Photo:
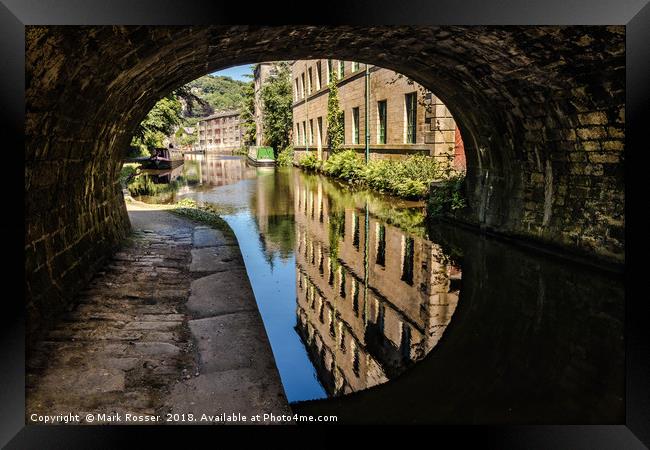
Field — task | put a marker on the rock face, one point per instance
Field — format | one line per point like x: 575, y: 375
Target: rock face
x: 541, y: 110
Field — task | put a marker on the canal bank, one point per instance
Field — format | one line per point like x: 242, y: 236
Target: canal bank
x: 170, y: 326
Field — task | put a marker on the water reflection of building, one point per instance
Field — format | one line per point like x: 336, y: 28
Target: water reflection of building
x: 364, y: 325
x: 221, y: 170
x: 272, y: 202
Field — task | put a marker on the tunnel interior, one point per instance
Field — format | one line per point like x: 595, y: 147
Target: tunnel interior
x: 541, y: 111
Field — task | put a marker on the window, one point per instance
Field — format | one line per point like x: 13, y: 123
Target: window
x: 381, y: 244
x: 330, y: 71
x: 355, y: 66
x: 304, y: 133
x: 343, y: 126
x: 320, y: 134
x: 341, y: 69
x: 411, y: 117
x: 309, y: 81
x: 302, y: 80
x: 381, y: 113
x: 318, y: 75
x: 297, y: 134
x: 311, y: 131
x: 355, y: 125
x: 407, y: 262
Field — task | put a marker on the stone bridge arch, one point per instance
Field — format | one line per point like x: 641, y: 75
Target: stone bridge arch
x: 541, y: 110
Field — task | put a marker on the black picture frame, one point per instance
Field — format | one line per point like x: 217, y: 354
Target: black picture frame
x: 634, y: 14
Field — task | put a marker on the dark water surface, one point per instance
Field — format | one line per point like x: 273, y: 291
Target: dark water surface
x: 355, y: 291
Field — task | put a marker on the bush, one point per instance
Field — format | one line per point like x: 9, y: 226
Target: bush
x: 345, y: 165
x: 310, y: 162
x: 144, y: 185
x: 127, y: 172
x: 446, y: 197
x: 285, y: 157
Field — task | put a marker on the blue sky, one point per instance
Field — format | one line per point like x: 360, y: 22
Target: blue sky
x: 236, y: 73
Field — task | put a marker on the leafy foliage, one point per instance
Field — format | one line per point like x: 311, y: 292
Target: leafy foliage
x: 446, y: 197
x: 408, y: 178
x: 277, y: 99
x: 219, y: 92
x: 157, y: 125
x: 285, y: 157
x: 310, y: 162
x: 334, y: 117
x: 345, y: 165
x: 247, y: 114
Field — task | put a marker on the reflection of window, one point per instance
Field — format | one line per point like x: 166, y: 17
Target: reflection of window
x: 381, y: 244
x: 320, y: 310
x: 355, y: 225
x: 381, y: 315
x: 405, y: 345
x: 330, y: 281
x: 341, y: 337
x: 355, y: 297
x: 321, y: 269
x: 355, y: 360
x: 331, y: 317
x: 342, y: 287
x: 407, y: 263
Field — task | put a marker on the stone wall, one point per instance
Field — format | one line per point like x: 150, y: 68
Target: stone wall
x: 541, y: 110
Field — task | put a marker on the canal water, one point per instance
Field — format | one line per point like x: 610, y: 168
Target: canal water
x: 355, y: 291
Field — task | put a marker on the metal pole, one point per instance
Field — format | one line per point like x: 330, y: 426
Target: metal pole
x: 367, y: 94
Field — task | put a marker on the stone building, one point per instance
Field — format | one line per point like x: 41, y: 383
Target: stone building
x: 220, y: 132
x: 404, y: 118
x: 362, y: 326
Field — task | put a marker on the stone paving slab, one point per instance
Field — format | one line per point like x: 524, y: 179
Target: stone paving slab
x: 208, y: 237
x: 213, y: 259
x: 245, y: 391
x: 221, y: 293
x: 215, y: 337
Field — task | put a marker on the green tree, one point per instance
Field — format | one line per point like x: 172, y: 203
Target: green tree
x: 219, y: 92
x: 334, y: 117
x: 158, y: 124
x: 247, y: 114
x: 277, y: 100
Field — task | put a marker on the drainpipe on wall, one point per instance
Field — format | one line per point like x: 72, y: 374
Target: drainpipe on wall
x: 367, y: 95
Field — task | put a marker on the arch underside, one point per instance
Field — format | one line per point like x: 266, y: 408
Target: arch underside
x: 541, y: 110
